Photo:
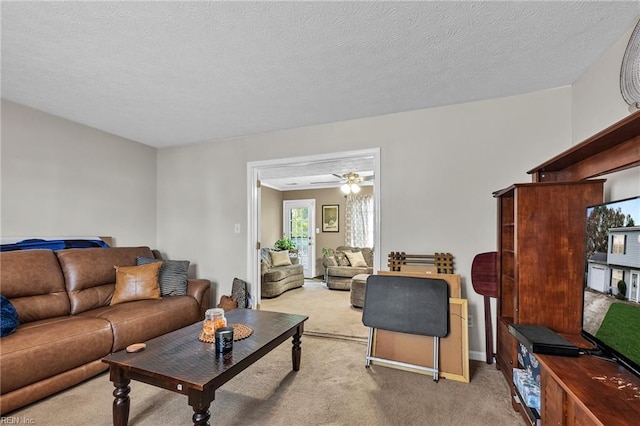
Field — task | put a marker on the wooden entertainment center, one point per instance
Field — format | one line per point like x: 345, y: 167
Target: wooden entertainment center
x: 541, y: 272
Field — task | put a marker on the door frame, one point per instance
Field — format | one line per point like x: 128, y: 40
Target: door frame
x: 253, y: 207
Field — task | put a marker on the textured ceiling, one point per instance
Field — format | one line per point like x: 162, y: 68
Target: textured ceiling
x: 172, y: 73
x: 318, y: 174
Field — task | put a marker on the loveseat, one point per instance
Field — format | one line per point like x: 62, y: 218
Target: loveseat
x: 67, y: 323
x: 339, y: 270
x: 278, y: 275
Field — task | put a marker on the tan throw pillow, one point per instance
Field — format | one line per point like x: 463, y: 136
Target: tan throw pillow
x: 136, y: 283
x: 280, y: 258
x: 355, y: 258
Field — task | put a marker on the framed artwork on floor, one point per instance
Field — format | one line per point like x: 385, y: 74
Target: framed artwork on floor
x: 330, y: 218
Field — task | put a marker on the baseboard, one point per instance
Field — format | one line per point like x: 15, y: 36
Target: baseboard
x: 477, y: 356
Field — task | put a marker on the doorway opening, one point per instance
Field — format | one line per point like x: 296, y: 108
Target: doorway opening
x: 306, y: 169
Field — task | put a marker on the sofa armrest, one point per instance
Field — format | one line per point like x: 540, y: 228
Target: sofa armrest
x: 264, y: 268
x: 200, y: 289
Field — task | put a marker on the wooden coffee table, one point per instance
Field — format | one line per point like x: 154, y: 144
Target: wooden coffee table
x: 179, y: 362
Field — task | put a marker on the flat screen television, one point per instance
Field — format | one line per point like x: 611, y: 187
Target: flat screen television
x: 611, y: 296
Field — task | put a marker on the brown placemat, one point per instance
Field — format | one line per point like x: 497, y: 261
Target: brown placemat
x: 240, y: 331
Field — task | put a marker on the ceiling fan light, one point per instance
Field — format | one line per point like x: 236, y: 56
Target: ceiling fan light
x: 345, y: 188
x: 355, y: 188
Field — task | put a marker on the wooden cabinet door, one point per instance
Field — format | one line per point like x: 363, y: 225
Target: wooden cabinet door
x: 553, y: 401
x: 550, y: 227
x: 577, y: 416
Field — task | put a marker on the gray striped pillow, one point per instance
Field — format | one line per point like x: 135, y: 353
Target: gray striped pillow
x: 172, y: 277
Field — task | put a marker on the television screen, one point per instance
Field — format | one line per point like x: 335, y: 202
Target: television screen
x: 611, y: 301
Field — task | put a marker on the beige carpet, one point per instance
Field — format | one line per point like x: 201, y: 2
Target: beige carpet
x: 333, y: 387
x: 330, y: 311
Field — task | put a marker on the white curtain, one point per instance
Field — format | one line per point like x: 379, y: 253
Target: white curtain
x: 359, y: 217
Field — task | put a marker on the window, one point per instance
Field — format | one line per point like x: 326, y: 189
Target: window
x: 618, y: 244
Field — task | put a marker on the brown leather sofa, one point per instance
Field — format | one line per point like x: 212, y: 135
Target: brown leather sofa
x: 67, y: 324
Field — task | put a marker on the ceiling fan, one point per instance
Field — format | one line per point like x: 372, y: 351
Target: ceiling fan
x: 352, y: 181
x: 347, y: 180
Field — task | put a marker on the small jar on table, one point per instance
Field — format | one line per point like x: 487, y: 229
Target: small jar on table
x: 213, y: 320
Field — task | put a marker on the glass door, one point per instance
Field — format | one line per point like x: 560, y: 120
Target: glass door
x: 298, y: 224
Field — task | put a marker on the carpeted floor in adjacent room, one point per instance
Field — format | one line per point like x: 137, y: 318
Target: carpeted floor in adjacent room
x: 330, y: 311
x: 333, y: 387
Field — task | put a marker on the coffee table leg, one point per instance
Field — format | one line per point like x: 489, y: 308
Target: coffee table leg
x: 296, y: 351
x: 121, y: 394
x: 200, y: 402
x: 201, y: 417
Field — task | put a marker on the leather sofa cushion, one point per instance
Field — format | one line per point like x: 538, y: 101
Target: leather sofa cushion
x: 90, y: 275
x: 34, y: 283
x: 42, y: 349
x: 139, y: 321
x: 200, y: 290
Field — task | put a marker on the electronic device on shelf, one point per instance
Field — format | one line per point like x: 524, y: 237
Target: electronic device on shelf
x: 543, y: 340
x: 612, y: 254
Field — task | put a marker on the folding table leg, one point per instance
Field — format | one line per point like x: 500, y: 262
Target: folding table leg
x: 369, y: 345
x: 436, y: 364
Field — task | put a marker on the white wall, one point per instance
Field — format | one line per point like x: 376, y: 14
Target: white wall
x: 596, y: 104
x: 270, y: 216
x: 439, y: 168
x: 595, y: 98
x: 60, y: 178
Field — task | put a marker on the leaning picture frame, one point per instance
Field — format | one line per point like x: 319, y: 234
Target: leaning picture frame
x: 330, y: 218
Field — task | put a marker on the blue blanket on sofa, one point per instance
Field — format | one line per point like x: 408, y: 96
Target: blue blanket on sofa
x: 52, y: 244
